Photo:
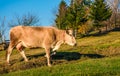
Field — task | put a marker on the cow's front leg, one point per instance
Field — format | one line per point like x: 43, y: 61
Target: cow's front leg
x: 48, y: 56
x: 53, y: 52
x: 56, y: 47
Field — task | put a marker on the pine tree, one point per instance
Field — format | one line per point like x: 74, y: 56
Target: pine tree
x: 60, y: 17
x: 72, y: 16
x: 75, y: 15
x: 99, y: 12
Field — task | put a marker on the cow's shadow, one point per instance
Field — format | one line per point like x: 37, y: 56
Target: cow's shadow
x: 69, y: 56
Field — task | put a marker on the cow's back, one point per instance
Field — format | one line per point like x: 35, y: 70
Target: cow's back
x: 33, y: 36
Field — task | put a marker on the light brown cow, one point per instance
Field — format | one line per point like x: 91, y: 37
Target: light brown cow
x: 49, y: 38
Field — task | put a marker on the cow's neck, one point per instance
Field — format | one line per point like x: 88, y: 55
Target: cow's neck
x: 61, y: 35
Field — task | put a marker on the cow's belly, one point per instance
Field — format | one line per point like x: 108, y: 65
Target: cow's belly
x: 31, y: 44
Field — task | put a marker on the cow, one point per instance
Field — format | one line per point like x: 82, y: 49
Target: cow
x: 49, y: 38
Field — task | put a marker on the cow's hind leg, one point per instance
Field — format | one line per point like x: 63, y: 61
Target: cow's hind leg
x: 19, y: 47
x: 8, y: 53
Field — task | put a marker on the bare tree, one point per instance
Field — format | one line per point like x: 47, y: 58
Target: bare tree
x: 25, y: 20
x: 2, y: 30
x: 114, y: 4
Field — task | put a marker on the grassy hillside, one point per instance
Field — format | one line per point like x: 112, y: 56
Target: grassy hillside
x: 94, y: 56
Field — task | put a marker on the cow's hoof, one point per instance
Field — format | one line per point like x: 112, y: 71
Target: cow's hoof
x: 53, y: 53
x: 45, y: 55
x: 49, y: 65
x: 8, y: 64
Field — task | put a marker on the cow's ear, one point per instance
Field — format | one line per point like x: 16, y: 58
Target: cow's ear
x: 70, y: 32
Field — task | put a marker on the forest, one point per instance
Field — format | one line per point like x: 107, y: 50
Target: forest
x: 85, y: 16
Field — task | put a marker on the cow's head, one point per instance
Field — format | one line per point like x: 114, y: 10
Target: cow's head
x: 69, y: 38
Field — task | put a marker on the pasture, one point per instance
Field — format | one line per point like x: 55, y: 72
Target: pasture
x: 93, y: 56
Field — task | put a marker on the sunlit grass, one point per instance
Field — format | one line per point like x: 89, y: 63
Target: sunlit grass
x: 93, y: 56
x: 97, y: 67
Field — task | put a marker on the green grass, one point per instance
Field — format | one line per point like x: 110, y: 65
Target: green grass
x: 98, y: 67
x: 94, y: 56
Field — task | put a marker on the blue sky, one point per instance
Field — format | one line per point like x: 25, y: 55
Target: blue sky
x: 42, y: 8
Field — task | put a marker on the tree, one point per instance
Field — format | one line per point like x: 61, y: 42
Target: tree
x: 114, y: 5
x: 72, y: 16
x: 60, y: 17
x: 2, y: 30
x: 100, y: 12
x: 75, y: 15
x: 25, y: 20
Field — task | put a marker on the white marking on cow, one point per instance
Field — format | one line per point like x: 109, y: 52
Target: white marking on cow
x: 57, y: 46
x: 23, y: 55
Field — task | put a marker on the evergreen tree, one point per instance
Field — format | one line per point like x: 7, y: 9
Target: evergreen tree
x: 72, y: 16
x: 75, y: 15
x: 99, y: 12
x: 60, y: 17
x: 87, y: 2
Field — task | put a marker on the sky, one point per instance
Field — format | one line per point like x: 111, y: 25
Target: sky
x: 44, y: 9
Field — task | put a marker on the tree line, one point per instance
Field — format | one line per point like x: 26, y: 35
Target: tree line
x: 84, y: 16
